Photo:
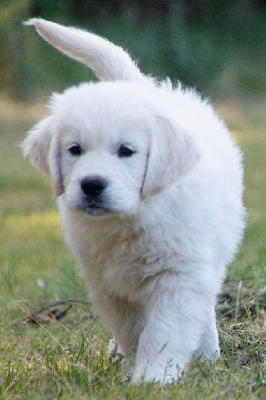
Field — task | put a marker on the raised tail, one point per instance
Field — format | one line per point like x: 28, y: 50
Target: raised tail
x: 109, y: 62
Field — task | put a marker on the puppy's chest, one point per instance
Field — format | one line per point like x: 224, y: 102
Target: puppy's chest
x: 127, y: 267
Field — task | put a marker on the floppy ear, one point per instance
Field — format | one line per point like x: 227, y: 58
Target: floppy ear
x: 41, y: 147
x: 108, y: 62
x: 173, y: 153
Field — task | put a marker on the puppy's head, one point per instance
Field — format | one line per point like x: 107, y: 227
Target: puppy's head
x: 109, y: 146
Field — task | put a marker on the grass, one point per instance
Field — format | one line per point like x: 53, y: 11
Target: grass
x: 67, y: 358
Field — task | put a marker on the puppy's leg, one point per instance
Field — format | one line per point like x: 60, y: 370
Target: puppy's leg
x: 126, y: 321
x: 173, y: 332
x: 209, y: 342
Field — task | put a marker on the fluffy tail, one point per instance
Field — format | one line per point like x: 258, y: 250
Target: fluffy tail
x: 109, y: 62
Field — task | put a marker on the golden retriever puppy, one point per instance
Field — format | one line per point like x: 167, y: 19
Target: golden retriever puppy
x: 149, y: 186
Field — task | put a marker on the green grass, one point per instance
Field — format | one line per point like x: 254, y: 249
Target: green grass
x: 68, y: 358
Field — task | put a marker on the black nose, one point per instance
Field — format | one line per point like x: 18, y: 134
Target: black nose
x: 93, y: 186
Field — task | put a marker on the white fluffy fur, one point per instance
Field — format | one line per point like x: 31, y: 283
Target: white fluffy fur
x: 155, y: 256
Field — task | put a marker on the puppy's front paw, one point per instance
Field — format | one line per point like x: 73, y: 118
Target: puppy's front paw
x: 112, y: 349
x: 114, y: 352
x: 169, y: 374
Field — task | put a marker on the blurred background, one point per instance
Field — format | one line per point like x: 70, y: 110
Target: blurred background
x: 216, y: 46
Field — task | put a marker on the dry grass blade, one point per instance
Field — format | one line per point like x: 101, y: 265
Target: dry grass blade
x: 54, y: 313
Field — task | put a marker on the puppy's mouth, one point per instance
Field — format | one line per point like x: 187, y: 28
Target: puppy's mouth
x: 96, y: 210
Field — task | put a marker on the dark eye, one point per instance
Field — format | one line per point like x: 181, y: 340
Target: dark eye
x: 125, y: 151
x: 75, y: 149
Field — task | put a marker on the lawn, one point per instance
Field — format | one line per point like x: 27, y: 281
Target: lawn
x: 66, y: 356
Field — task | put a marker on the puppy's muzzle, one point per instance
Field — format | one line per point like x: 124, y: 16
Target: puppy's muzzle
x: 93, y: 188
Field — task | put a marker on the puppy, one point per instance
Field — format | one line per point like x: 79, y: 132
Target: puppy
x: 149, y: 187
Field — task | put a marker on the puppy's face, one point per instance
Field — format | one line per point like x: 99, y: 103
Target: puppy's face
x: 106, y: 148
x: 103, y: 149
